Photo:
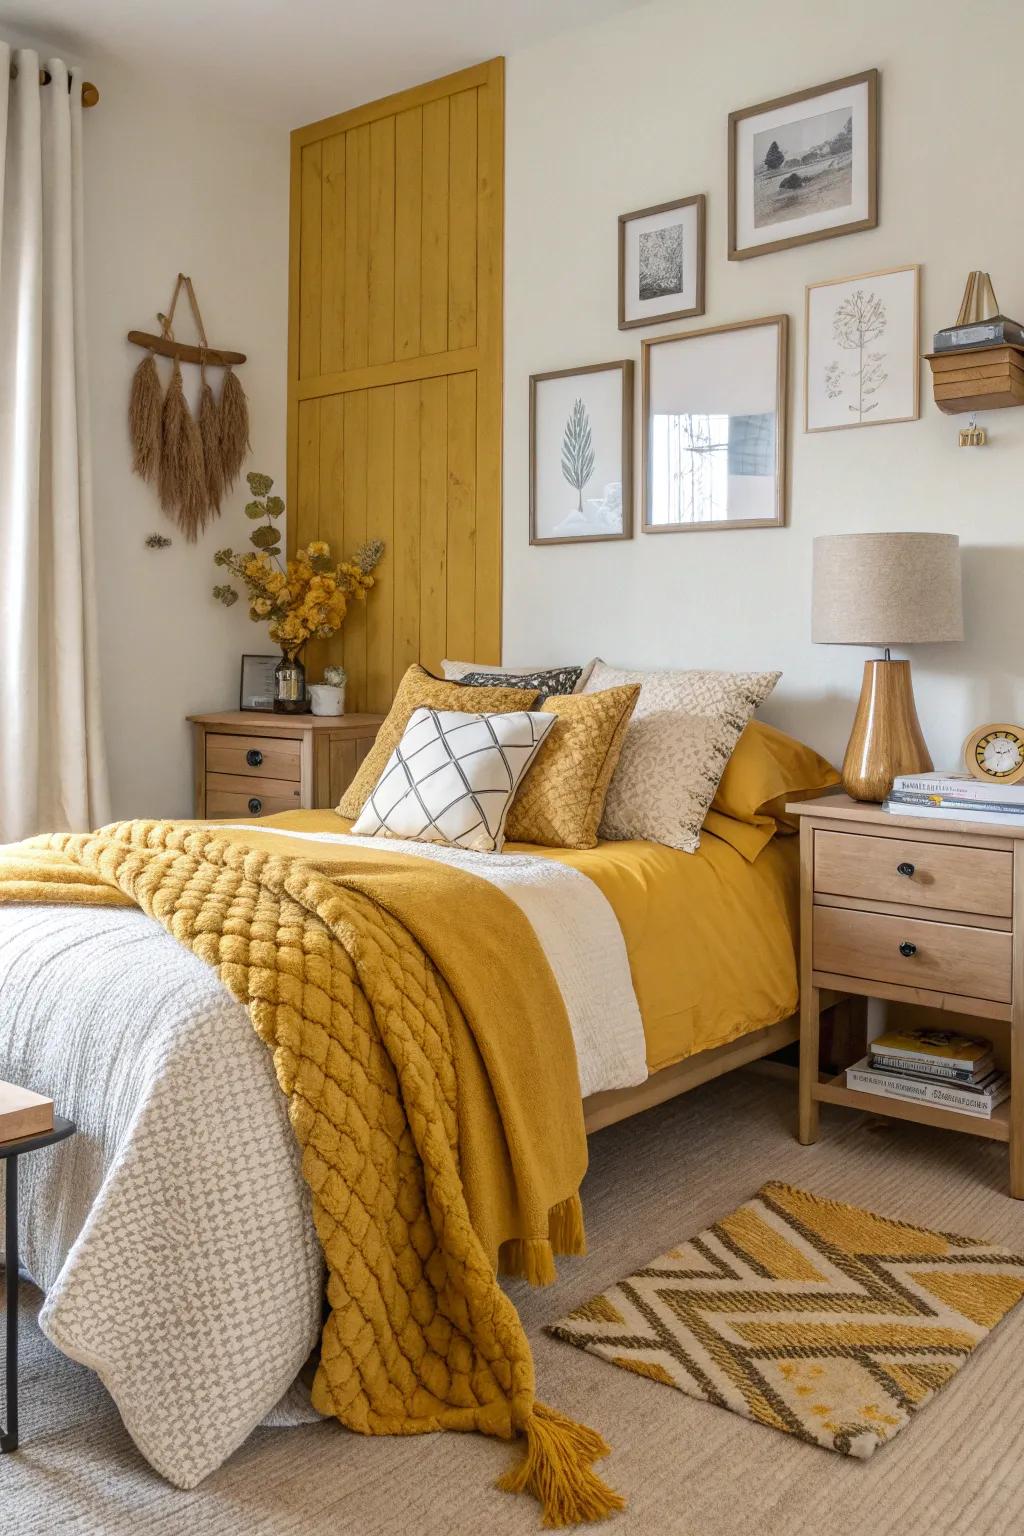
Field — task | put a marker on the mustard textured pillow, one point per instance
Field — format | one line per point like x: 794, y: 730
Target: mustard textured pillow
x: 419, y: 690
x: 561, y: 799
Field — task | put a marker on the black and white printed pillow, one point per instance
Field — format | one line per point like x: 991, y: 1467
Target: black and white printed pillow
x: 452, y: 778
x: 547, y: 680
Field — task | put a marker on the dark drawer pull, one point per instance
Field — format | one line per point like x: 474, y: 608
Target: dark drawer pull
x: 906, y: 948
x: 905, y: 869
x: 254, y: 758
x: 256, y: 805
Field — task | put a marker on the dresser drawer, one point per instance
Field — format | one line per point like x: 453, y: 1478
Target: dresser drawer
x: 242, y: 797
x: 271, y: 757
x: 942, y: 957
x: 914, y: 874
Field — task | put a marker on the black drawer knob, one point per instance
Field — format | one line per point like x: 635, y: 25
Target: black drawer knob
x: 255, y: 805
x: 254, y: 757
x: 906, y: 948
x: 905, y: 869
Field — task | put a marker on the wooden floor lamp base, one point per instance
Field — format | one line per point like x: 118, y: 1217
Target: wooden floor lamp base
x: 886, y: 739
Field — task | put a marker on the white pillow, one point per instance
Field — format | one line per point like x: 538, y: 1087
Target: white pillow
x: 452, y: 777
x: 679, y: 739
x: 455, y: 671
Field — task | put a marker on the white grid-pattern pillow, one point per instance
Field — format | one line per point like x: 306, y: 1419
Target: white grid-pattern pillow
x: 452, y: 777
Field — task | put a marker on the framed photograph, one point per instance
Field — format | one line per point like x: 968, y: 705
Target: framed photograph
x: 661, y: 263
x: 804, y: 167
x: 862, y: 343
x: 714, y: 448
x: 581, y: 454
x: 256, y: 690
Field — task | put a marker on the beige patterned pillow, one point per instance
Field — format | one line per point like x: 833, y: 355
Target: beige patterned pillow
x: 684, y: 728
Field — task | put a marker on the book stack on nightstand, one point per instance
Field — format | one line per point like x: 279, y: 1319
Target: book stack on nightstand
x: 932, y: 1066
x: 934, y: 796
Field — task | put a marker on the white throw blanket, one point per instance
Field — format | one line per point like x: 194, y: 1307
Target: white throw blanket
x: 173, y: 1234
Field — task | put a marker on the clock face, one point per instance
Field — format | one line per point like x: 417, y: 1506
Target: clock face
x: 996, y: 752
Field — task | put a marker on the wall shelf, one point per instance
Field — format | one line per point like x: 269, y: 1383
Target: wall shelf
x: 977, y: 378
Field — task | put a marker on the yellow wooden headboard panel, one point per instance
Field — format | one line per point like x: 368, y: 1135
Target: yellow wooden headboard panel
x: 394, y: 369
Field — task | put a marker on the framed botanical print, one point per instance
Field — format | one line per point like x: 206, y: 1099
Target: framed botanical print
x: 581, y: 454
x: 862, y: 344
x: 661, y: 263
x: 714, y: 450
x: 804, y: 167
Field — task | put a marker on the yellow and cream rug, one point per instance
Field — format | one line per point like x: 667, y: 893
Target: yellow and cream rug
x: 816, y: 1318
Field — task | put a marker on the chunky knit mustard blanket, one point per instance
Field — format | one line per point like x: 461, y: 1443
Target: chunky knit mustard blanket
x: 423, y: 1046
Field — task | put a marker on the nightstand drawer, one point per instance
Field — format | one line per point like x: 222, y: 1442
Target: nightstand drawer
x: 233, y: 795
x: 945, y: 876
x: 271, y: 757
x: 942, y: 957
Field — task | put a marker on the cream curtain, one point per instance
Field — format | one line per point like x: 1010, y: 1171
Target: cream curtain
x: 52, y: 768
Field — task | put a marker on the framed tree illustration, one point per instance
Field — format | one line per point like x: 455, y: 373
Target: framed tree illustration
x: 581, y: 450
x: 862, y: 343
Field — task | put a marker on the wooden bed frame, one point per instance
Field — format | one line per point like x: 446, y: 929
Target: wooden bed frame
x: 602, y: 1109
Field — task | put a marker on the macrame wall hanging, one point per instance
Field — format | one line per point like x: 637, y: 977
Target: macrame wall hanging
x: 191, y: 461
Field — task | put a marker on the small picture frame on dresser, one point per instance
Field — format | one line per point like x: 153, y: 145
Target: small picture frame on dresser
x: 256, y: 687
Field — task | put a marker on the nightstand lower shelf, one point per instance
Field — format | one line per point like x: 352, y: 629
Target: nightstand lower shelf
x: 835, y: 1091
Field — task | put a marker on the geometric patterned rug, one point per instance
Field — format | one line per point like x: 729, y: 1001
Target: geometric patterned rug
x: 813, y: 1317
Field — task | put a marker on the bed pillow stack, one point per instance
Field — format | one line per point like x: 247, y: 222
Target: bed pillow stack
x: 683, y: 731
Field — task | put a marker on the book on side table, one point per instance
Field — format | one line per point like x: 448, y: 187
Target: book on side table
x: 932, y: 1066
x: 956, y: 795
x: 23, y: 1113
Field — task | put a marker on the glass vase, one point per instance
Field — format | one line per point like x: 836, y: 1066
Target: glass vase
x: 290, y: 686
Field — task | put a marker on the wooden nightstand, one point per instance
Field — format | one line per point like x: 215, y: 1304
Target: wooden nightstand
x: 914, y: 911
x: 255, y: 764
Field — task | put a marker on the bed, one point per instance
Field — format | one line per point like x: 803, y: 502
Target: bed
x: 173, y: 1236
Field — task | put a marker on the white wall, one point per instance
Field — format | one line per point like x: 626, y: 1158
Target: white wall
x: 633, y: 112
x: 173, y: 185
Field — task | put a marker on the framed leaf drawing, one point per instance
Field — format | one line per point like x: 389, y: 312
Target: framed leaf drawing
x: 862, y: 350
x: 715, y: 427
x: 581, y: 452
x: 661, y: 263
x: 804, y: 167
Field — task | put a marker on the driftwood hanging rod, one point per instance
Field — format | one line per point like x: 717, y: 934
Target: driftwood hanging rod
x: 184, y: 352
x: 90, y: 92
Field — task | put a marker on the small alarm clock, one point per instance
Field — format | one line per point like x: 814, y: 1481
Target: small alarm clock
x: 995, y: 754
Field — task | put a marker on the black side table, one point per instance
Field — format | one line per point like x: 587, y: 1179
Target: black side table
x: 10, y: 1151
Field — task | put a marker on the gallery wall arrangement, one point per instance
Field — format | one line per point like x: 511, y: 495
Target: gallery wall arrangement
x: 714, y: 409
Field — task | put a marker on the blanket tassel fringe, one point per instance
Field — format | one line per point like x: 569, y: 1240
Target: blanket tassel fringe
x: 557, y: 1469
x: 532, y: 1259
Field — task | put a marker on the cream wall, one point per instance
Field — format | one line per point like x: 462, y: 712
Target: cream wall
x: 632, y: 112
x: 173, y: 185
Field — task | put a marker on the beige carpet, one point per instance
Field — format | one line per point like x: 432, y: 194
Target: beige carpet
x: 686, y: 1467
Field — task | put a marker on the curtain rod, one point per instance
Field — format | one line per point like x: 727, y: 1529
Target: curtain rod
x: 90, y: 93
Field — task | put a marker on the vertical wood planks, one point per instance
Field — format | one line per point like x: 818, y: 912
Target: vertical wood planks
x: 463, y: 191
x: 433, y: 522
x: 309, y: 262
x: 380, y: 522
x: 357, y: 246
x: 406, y: 548
x: 408, y: 230
x: 381, y: 345
x: 461, y: 533
x: 354, y: 628
x: 332, y: 255
x: 489, y: 244
x: 434, y: 257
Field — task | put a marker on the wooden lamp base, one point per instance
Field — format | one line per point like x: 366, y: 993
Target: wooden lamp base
x: 886, y: 739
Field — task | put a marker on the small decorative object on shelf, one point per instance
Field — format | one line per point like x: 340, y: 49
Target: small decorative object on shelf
x: 327, y: 700
x: 979, y: 323
x: 305, y: 599
x: 973, y: 436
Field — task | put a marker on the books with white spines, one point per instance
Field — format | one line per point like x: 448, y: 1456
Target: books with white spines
x: 1004, y: 818
x: 947, y: 1072
x: 954, y: 806
x: 864, y: 1078
x: 958, y: 786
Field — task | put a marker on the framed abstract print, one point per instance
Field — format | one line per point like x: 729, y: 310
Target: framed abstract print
x: 581, y: 454
x: 804, y: 167
x: 714, y: 449
x: 661, y: 263
x: 862, y: 346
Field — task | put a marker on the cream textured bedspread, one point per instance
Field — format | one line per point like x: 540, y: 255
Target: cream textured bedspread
x: 174, y: 1234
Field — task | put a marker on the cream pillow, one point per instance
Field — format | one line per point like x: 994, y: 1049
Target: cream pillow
x: 676, y: 747
x: 452, y: 777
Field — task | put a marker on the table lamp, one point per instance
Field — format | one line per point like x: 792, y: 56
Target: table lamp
x: 885, y: 589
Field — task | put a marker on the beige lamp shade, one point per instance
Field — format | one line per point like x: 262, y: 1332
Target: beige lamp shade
x: 886, y: 589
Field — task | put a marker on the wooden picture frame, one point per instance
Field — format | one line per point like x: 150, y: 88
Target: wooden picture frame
x: 540, y: 513
x: 866, y: 178
x: 780, y: 323
x: 654, y: 317
x: 910, y: 362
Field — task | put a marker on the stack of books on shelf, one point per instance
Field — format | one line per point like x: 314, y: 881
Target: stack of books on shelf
x: 957, y: 796
x: 932, y: 1066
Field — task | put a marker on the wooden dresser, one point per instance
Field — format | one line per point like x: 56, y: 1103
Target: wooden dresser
x: 920, y: 911
x: 255, y: 764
